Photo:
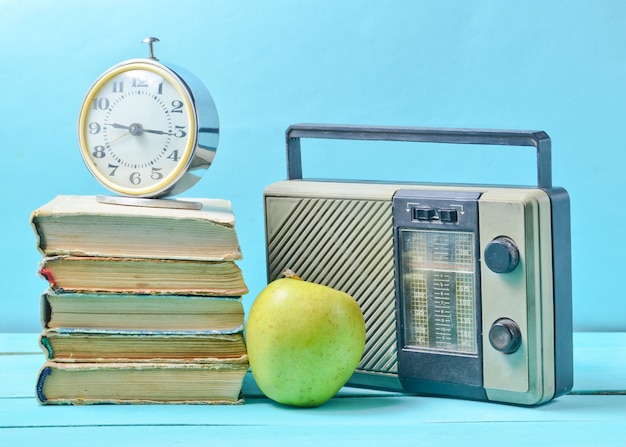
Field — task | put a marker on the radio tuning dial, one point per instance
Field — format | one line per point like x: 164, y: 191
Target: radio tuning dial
x: 505, y: 336
x: 502, y: 255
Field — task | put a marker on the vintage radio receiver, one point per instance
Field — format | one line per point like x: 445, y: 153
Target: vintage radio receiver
x: 466, y: 290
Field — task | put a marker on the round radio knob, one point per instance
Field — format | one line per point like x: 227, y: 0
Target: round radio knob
x: 501, y: 255
x: 505, y: 336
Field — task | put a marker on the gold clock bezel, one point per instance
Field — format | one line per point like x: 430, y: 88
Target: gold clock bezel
x: 164, y: 185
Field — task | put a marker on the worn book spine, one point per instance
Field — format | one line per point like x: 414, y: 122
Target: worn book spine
x: 138, y: 383
x: 146, y: 312
x: 113, y: 346
x: 142, y: 276
x: 82, y: 226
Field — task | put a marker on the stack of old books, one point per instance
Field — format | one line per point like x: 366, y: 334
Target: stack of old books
x: 143, y: 304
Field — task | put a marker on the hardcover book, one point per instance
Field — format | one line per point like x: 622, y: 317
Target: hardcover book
x: 143, y: 276
x: 140, y: 312
x: 219, y: 382
x: 81, y: 345
x: 80, y: 225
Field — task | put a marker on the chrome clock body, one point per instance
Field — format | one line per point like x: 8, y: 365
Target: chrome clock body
x: 148, y: 130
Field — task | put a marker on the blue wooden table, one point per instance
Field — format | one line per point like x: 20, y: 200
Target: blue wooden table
x: 594, y: 414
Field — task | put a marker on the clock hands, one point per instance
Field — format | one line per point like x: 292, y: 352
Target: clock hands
x: 119, y: 138
x: 137, y: 129
x: 158, y: 132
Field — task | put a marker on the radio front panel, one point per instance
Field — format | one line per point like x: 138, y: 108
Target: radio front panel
x: 438, y: 292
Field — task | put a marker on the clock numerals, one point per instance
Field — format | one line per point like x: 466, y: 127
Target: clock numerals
x: 94, y: 128
x: 136, y: 82
x: 135, y: 178
x: 112, y: 169
x: 174, y: 155
x: 140, y: 83
x: 98, y: 152
x: 101, y: 103
x: 156, y: 174
x: 180, y: 132
x: 177, y: 106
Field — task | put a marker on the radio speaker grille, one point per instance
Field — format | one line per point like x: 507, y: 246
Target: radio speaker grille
x: 346, y: 245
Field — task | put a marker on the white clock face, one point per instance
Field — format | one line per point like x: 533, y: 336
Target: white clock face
x: 137, y: 129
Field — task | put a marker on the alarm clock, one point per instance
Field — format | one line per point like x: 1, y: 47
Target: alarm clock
x: 147, y: 130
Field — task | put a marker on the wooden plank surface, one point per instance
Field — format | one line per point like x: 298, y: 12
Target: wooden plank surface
x: 574, y: 420
x: 594, y: 414
x: 600, y: 363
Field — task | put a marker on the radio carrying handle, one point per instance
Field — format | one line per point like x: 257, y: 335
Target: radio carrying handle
x: 539, y: 139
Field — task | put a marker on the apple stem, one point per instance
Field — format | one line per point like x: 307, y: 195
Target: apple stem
x: 291, y: 274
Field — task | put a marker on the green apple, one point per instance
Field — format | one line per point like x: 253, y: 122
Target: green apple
x: 304, y: 341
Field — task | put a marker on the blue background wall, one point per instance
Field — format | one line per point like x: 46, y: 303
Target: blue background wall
x: 558, y: 66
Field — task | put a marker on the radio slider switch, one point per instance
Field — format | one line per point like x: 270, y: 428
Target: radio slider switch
x: 424, y: 214
x: 430, y: 214
x: 450, y: 216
